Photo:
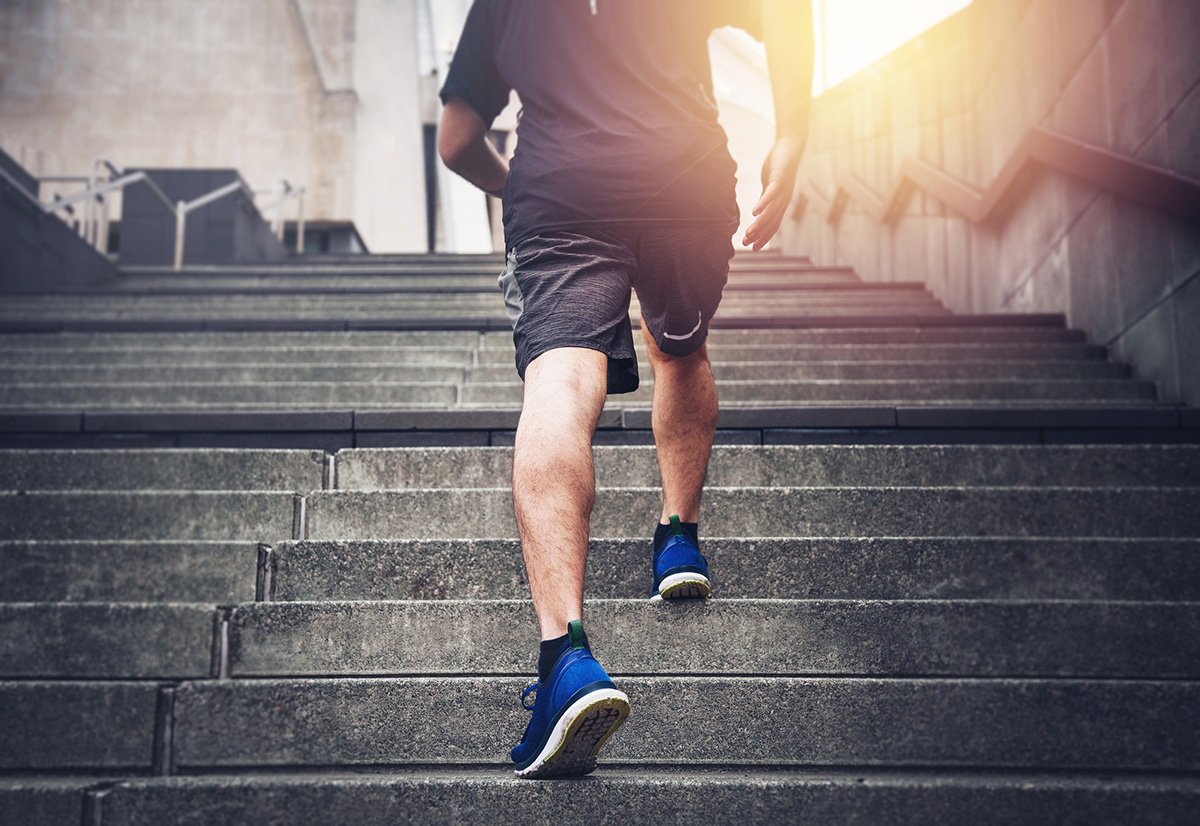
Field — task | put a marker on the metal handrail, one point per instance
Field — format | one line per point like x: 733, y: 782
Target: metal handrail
x: 1151, y: 186
x: 95, y: 232
x: 277, y: 226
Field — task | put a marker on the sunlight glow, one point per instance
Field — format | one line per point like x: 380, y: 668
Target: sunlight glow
x: 859, y: 32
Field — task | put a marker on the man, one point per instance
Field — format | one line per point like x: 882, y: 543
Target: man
x: 621, y: 180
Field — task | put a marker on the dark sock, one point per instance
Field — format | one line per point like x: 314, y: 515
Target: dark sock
x: 663, y: 531
x: 548, y: 656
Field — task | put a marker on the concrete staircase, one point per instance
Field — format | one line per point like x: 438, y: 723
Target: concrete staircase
x: 955, y: 581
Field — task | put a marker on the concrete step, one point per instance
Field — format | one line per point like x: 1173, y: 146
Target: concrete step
x: 722, y: 637
x: 1012, y: 568
x: 174, y: 469
x: 711, y: 721
x: 794, y: 466
x: 296, y: 395
x: 909, y: 353
x: 777, y: 512
x: 974, y: 638
x: 260, y: 373
x: 760, y: 371
x: 163, y: 341
x: 48, y: 800
x: 297, y: 371
x: 351, y: 280
x: 123, y: 570
x: 464, y: 300
x: 501, y: 341
x: 1076, y: 724
x: 147, y: 515
x: 107, y: 640
x: 888, y: 336
x: 615, y: 795
x: 203, y: 356
x: 788, y: 392
x: 310, y: 395
x: 78, y: 725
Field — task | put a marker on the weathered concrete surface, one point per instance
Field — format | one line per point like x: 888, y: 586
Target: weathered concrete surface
x: 796, y: 512
x: 77, y: 725
x: 198, y: 353
x: 1079, y: 724
x: 307, y: 395
x: 767, y: 637
x: 293, y: 373
x: 150, y: 515
x: 177, y: 469
x: 44, y: 801
x: 127, y: 571
x: 883, y: 369
x: 792, y: 353
x: 782, y: 392
x: 766, y: 466
x: 107, y: 640
x: 850, y: 568
x: 612, y: 797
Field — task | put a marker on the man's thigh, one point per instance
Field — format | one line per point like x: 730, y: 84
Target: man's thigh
x: 572, y: 289
x: 681, y: 273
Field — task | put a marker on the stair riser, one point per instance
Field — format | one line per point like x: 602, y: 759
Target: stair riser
x: 796, y: 466
x: 909, y: 353
x: 119, y: 641
x: 128, y: 571
x: 233, y: 374
x: 341, y: 396
x: 812, y: 512
x: 755, y: 721
x: 783, y: 393
x: 253, y: 517
x: 157, y: 342
x: 395, y: 373
x: 882, y: 639
x: 885, y: 639
x: 1019, y: 569
x: 296, y: 395
x: 175, y: 469
x: 77, y: 725
x: 641, y: 797
x: 199, y: 355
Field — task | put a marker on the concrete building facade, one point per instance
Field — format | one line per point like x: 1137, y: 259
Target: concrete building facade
x: 338, y: 96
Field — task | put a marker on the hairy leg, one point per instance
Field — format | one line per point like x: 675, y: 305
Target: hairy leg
x: 554, y: 482
x: 684, y: 421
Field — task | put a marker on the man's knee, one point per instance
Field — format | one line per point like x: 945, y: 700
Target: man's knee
x: 660, y: 359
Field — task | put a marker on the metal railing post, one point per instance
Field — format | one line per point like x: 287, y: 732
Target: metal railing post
x: 89, y: 207
x: 102, y: 229
x: 300, y: 222
x: 180, y: 228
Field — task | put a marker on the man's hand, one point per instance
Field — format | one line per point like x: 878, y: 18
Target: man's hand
x: 779, y: 181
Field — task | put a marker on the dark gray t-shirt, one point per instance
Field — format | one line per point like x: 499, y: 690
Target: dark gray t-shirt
x: 618, y: 121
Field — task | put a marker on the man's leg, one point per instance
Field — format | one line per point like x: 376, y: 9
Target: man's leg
x: 684, y: 419
x: 554, y: 482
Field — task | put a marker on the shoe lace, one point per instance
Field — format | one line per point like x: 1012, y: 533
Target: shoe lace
x: 525, y: 693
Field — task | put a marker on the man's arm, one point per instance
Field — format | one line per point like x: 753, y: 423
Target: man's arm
x: 465, y: 149
x: 788, y: 34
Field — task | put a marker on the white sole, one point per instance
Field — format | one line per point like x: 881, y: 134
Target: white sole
x: 578, y: 735
x: 686, y: 585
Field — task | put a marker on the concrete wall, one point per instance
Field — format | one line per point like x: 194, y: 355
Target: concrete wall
x: 1122, y: 74
x: 314, y: 91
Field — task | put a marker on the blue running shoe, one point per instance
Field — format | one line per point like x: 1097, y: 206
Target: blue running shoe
x: 680, y: 570
x: 575, y: 711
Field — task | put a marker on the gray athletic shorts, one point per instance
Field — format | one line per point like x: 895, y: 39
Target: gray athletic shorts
x: 572, y: 289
